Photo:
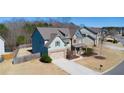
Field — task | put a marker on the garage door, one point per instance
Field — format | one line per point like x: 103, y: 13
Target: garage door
x: 57, y: 55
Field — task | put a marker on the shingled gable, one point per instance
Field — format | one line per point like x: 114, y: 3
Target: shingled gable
x: 47, y: 31
x: 93, y: 29
x: 53, y: 36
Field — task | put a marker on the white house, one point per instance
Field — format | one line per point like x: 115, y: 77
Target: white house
x: 2, y: 46
x: 87, y: 36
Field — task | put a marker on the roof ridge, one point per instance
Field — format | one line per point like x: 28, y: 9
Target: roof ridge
x: 90, y: 30
x: 54, y: 27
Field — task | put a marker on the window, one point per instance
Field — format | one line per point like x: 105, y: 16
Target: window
x: 57, y: 43
x: 67, y: 42
x: 74, y: 41
x: 84, y: 35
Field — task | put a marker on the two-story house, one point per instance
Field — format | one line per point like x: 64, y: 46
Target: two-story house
x: 55, y: 41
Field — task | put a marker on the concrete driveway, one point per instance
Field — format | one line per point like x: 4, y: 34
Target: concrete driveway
x: 73, y: 68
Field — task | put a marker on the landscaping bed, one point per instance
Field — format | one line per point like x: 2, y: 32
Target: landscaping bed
x: 71, y: 56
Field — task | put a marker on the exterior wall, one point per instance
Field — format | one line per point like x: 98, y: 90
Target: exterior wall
x: 53, y: 47
x: 88, y: 41
x: 78, y: 40
x: 38, y: 43
x: 2, y: 47
x: 98, y: 39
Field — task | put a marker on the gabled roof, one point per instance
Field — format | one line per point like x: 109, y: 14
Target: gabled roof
x: 2, y: 38
x: 51, y: 40
x: 47, y: 31
x: 119, y: 38
x: 91, y: 37
x: 93, y: 29
x: 72, y: 32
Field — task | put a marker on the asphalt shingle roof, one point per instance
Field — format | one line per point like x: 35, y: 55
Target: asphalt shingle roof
x: 93, y: 29
x: 2, y: 38
x: 47, y: 31
x: 51, y: 39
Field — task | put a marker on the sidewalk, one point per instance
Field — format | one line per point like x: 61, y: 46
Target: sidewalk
x: 114, y: 47
x: 74, y: 68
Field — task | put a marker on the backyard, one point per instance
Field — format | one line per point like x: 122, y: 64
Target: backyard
x: 110, y: 59
x: 24, y: 51
x: 33, y: 67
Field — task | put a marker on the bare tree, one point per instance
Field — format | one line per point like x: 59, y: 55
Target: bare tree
x: 102, y: 37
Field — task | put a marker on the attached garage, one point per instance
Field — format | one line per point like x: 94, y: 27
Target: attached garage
x: 57, y: 54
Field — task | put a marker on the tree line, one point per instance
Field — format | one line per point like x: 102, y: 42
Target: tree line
x: 16, y: 33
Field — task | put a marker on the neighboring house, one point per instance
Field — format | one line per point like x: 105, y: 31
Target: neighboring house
x: 2, y: 46
x: 120, y: 39
x: 55, y: 40
x: 86, y: 36
x: 91, y: 36
x: 121, y: 31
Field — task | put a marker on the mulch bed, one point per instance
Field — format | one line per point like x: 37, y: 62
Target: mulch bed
x: 72, y: 57
x: 87, y: 55
x: 100, y: 57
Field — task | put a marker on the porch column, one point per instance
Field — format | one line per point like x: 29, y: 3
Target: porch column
x: 80, y: 51
x: 75, y: 51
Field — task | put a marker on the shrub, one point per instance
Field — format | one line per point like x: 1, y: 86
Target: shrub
x: 45, y: 58
x: 115, y: 41
x: 88, y: 51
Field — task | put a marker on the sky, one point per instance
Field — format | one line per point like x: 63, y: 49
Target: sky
x: 87, y: 21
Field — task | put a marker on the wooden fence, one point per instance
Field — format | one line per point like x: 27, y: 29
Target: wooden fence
x: 25, y: 46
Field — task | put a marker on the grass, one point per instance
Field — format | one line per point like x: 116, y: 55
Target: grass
x: 112, y: 57
x: 33, y: 67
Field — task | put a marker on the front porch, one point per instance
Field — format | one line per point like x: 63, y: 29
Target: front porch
x: 78, y: 49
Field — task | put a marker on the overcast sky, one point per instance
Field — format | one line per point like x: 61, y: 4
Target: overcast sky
x: 87, y: 21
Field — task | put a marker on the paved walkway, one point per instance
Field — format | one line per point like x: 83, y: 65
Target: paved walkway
x: 73, y: 68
